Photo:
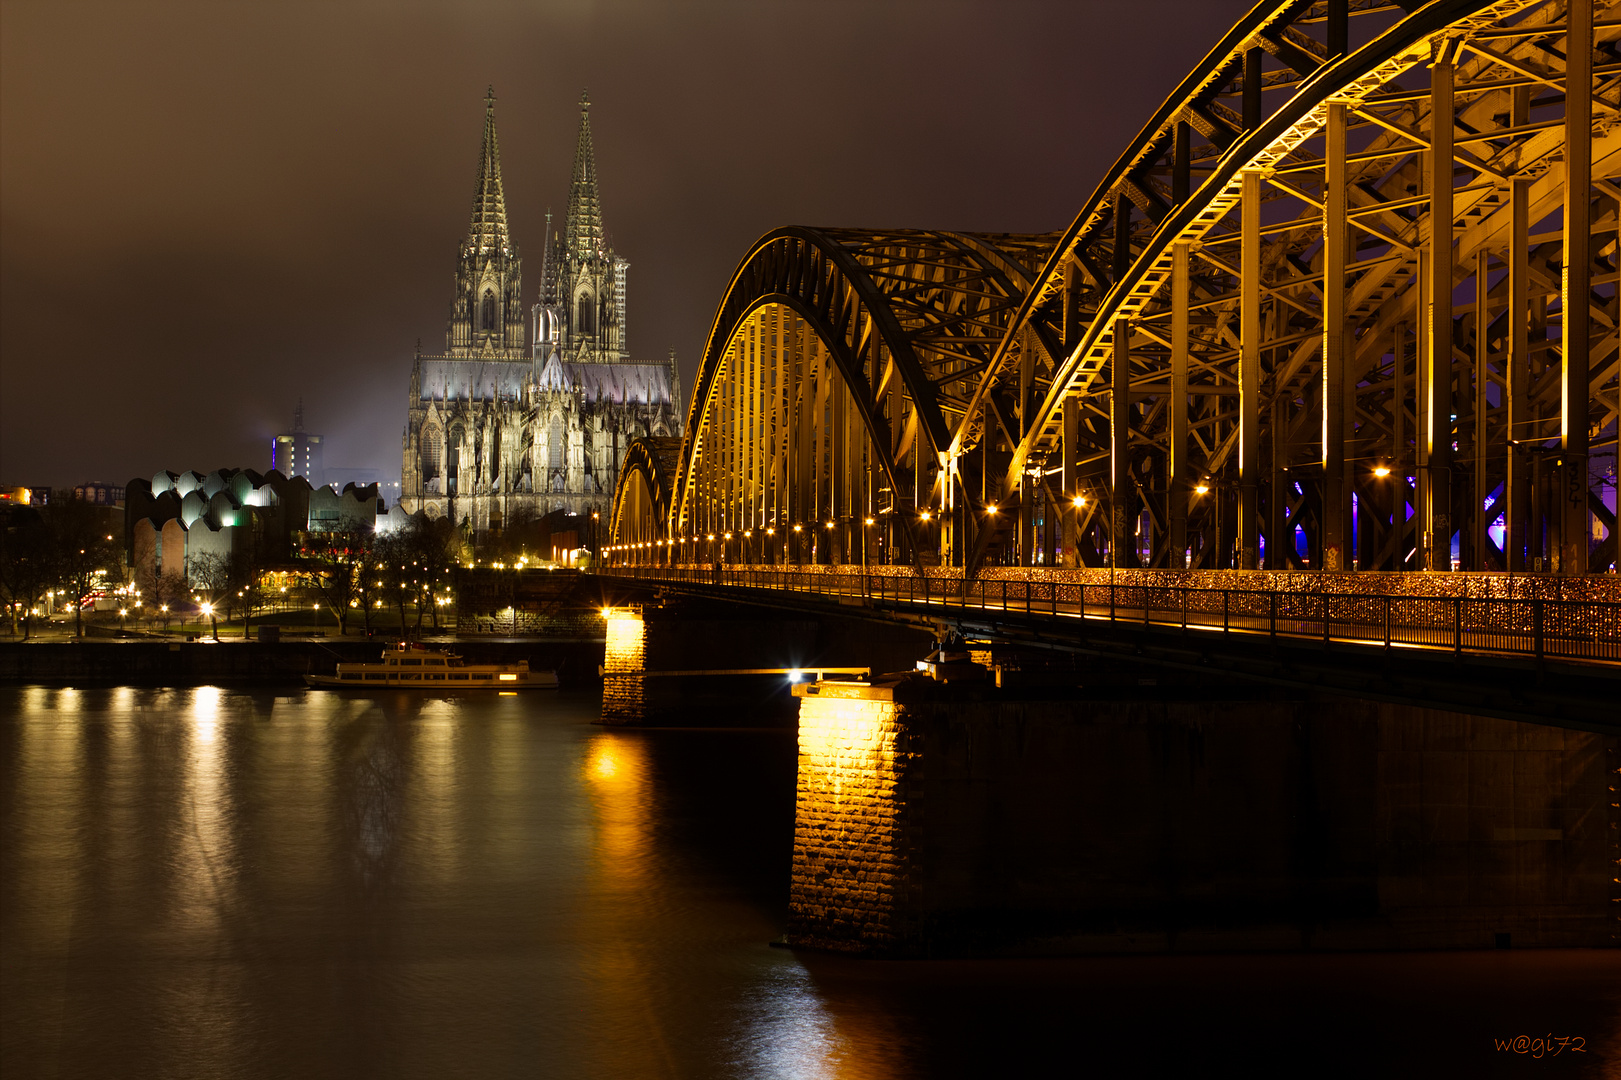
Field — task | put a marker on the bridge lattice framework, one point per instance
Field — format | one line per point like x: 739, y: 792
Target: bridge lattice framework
x: 1296, y: 303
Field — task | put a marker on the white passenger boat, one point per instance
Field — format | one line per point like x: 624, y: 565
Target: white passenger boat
x: 417, y: 668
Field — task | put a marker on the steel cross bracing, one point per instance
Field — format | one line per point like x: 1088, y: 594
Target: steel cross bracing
x: 1252, y: 330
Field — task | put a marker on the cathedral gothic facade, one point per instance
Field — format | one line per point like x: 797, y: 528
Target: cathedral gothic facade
x: 505, y: 425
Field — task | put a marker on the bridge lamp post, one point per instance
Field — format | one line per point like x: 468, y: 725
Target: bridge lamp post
x: 830, y: 526
x: 726, y: 547
x: 747, y: 556
x: 770, y: 544
x: 865, y: 525
x: 796, y: 554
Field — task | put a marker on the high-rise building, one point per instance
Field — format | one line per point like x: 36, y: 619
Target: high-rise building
x: 298, y: 452
x: 497, y: 430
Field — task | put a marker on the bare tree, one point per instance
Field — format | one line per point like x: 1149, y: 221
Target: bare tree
x: 82, y: 556
x: 26, y: 569
x: 231, y: 582
x: 337, y: 562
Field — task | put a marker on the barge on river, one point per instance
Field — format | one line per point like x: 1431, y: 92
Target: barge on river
x: 416, y: 668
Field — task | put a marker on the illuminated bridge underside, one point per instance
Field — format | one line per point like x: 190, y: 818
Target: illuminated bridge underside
x: 1297, y: 305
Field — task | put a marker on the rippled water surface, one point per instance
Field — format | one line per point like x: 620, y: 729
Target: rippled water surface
x: 222, y: 883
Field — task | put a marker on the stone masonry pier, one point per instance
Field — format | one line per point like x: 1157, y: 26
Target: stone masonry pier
x: 934, y: 820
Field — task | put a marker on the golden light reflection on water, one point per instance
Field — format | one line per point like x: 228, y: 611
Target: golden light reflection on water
x: 434, y: 756
x: 49, y: 804
x: 626, y: 985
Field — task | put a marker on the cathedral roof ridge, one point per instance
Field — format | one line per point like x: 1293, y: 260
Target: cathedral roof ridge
x: 488, y: 232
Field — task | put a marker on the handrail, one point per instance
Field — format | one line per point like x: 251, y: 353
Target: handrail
x: 1540, y: 628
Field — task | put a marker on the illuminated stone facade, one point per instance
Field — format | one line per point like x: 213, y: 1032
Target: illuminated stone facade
x: 499, y: 429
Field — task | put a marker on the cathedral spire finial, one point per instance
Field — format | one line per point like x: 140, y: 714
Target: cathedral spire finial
x: 488, y: 233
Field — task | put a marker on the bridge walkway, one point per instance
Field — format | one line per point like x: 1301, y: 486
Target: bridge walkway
x: 1568, y: 630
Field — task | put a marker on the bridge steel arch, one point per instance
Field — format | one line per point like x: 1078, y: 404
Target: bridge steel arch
x: 1260, y: 324
x: 837, y: 369
x: 1296, y: 306
x: 641, y: 506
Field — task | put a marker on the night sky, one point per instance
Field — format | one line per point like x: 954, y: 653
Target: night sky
x: 211, y: 210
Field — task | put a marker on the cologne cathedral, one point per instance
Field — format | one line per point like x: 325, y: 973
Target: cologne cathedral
x: 501, y: 429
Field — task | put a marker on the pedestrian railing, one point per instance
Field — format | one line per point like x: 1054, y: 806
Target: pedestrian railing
x: 1565, y: 629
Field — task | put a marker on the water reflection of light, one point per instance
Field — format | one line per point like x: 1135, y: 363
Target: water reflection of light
x: 604, y: 765
x: 205, y: 712
x: 207, y: 870
x: 47, y: 811
x: 616, y: 768
x: 787, y: 1031
x: 434, y: 795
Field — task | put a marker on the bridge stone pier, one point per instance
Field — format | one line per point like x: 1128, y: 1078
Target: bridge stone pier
x: 938, y: 820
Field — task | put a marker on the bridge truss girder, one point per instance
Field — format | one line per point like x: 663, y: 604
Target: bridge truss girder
x: 1201, y: 338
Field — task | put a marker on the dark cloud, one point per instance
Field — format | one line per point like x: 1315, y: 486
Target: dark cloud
x: 209, y: 210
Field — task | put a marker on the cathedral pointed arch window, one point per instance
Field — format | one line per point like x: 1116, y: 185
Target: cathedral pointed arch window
x: 432, y: 447
x: 585, y: 321
x: 487, y: 318
x: 453, y: 460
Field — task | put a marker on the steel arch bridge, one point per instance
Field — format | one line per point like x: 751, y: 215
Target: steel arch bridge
x: 1299, y: 322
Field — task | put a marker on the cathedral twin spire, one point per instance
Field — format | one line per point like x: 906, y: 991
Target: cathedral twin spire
x: 582, y: 291
x: 583, y: 237
x: 488, y: 233
x: 583, y: 234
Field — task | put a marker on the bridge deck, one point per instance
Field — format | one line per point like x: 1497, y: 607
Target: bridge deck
x: 1582, y: 630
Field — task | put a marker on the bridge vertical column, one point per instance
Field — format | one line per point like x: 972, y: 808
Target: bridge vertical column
x: 1249, y: 369
x: 1576, y: 290
x: 1335, y: 515
x: 1516, y: 482
x: 1120, y: 446
x: 782, y: 517
x: 1477, y: 507
x: 1438, y: 365
x: 1071, y: 413
x: 1177, y: 463
x: 1279, y: 542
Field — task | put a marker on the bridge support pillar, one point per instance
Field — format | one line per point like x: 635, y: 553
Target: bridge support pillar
x: 933, y: 820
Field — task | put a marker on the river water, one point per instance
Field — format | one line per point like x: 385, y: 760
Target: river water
x: 229, y: 883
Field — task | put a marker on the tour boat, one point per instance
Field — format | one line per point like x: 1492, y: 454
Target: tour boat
x: 416, y: 668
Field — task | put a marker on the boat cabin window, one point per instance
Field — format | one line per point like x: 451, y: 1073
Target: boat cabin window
x: 379, y: 675
x: 455, y: 675
x: 410, y: 663
x: 351, y: 675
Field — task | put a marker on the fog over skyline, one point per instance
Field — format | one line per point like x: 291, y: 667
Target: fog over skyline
x: 210, y: 211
